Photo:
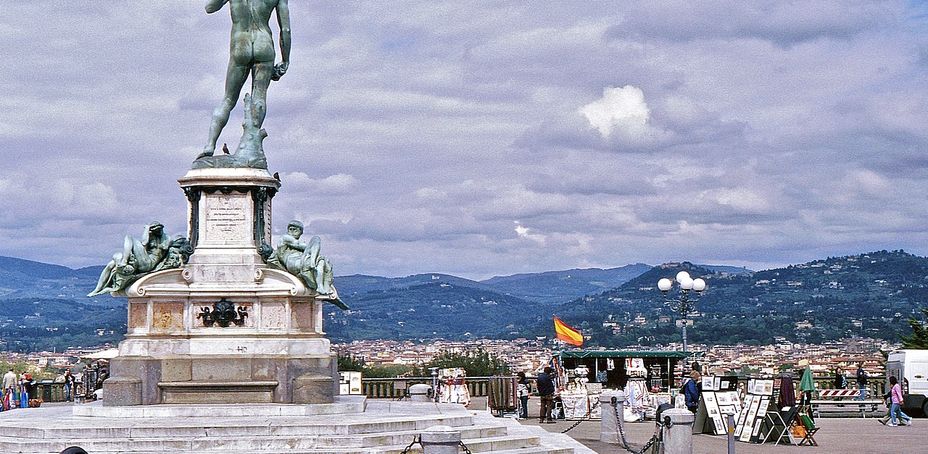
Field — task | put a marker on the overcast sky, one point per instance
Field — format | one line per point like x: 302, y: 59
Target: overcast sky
x: 485, y: 138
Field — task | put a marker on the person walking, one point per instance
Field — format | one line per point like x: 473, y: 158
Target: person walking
x: 691, y: 391
x: 861, y: 381
x: 68, y: 385
x: 840, y: 380
x: 896, y: 406
x: 29, y: 389
x: 9, y: 382
x: 887, y: 400
x: 522, y: 388
x: 23, y: 391
x: 545, y: 385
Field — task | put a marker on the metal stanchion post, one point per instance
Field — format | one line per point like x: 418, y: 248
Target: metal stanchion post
x: 730, y: 422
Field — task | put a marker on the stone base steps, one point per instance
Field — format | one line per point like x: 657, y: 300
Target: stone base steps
x: 180, y: 438
x: 381, y: 428
x: 416, y: 449
x: 342, y: 405
x: 383, y: 444
x: 192, y: 428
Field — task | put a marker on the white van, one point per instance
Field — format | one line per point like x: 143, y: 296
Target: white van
x: 910, y: 367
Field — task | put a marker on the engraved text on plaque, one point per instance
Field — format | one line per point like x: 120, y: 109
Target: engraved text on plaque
x: 227, y: 218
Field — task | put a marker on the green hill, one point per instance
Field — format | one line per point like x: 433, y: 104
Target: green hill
x: 44, y: 307
x: 869, y: 295
x: 558, y: 286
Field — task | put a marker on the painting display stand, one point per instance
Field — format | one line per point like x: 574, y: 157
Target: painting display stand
x: 717, y: 400
x: 752, y: 419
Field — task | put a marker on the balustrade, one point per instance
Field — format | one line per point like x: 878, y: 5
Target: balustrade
x: 395, y: 388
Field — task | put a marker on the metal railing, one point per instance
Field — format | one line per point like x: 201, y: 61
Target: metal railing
x: 51, y: 391
x: 394, y: 388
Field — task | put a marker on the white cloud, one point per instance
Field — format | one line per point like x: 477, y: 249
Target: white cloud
x: 412, y: 137
x: 621, y: 109
x: 526, y: 233
x: 337, y: 184
x: 740, y: 199
x: 869, y: 181
x: 430, y: 193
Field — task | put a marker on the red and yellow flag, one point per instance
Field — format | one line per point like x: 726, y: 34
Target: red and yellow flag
x: 567, y: 333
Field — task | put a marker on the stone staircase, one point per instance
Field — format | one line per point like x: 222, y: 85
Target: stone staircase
x: 386, y: 428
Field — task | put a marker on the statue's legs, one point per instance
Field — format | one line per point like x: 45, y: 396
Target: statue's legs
x: 323, y: 277
x: 312, y: 266
x: 259, y: 83
x: 128, y: 245
x: 106, y: 275
x: 235, y: 79
x: 311, y: 253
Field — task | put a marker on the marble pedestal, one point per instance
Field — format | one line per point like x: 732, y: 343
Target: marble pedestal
x: 277, y: 352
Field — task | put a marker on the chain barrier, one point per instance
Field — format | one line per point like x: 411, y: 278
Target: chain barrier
x: 415, y: 440
x: 576, y: 423
x: 585, y: 417
x: 418, y: 440
x: 620, y: 433
x: 464, y: 447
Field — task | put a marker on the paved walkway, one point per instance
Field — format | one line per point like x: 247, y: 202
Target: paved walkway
x: 836, y: 435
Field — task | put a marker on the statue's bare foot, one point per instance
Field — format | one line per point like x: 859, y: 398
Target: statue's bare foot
x: 207, y: 152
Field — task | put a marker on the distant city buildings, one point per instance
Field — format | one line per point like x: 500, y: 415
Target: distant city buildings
x: 519, y: 354
x: 532, y: 354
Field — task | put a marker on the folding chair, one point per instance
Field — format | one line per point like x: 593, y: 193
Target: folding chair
x: 780, y: 422
x: 777, y: 427
x: 810, y: 430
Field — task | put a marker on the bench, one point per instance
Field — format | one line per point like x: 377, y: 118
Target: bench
x: 838, y: 408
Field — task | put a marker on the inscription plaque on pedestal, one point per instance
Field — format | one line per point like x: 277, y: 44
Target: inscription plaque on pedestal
x: 226, y: 218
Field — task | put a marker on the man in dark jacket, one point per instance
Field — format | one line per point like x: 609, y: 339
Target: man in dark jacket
x: 691, y: 391
x: 840, y: 379
x: 545, y: 385
x: 861, y: 381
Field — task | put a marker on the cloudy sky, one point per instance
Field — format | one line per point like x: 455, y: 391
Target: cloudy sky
x: 485, y: 138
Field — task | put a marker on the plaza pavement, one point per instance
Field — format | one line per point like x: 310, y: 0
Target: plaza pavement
x: 836, y: 435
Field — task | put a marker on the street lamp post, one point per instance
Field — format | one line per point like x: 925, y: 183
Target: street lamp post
x: 434, y: 373
x: 683, y: 305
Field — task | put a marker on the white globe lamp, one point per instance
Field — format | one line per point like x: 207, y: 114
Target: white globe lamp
x: 664, y: 284
x: 686, y: 284
x: 699, y: 284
